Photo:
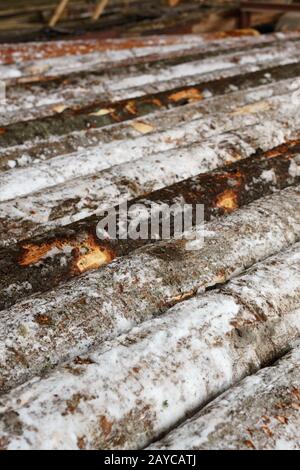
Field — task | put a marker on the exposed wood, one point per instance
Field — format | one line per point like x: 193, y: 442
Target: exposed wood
x: 166, y: 368
x: 67, y: 321
x: 262, y: 412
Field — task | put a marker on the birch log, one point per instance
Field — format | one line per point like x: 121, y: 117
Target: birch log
x: 135, y: 388
x: 262, y: 412
x: 67, y: 321
x: 50, y: 97
x: 35, y: 264
x: 24, y: 217
x: 75, y: 162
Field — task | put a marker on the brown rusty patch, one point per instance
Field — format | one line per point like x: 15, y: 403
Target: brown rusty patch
x: 282, y: 419
x: 106, y: 426
x: 228, y: 201
x: 19, y: 356
x: 287, y: 147
x: 131, y: 107
x: 267, y: 430
x: 296, y: 392
x: 4, y: 442
x: 191, y: 95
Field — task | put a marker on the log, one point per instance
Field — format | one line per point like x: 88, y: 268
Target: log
x: 66, y: 322
x: 101, y: 113
x: 24, y: 217
x: 133, y: 389
x: 35, y: 264
x: 24, y: 101
x: 262, y: 413
x: 85, y: 162
x: 99, y: 9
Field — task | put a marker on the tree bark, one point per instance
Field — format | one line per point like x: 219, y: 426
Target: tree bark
x: 201, y: 145
x: 128, y: 392
x: 262, y: 413
x: 64, y: 323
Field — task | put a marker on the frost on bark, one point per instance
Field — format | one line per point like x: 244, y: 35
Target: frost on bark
x: 131, y: 390
x: 63, y: 323
x: 262, y: 412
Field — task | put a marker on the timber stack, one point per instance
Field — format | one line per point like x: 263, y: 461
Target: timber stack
x: 115, y: 341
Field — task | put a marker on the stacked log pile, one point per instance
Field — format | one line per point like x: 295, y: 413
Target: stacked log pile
x: 54, y: 19
x: 116, y: 341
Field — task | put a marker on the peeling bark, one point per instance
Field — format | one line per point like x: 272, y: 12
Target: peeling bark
x: 262, y: 412
x: 136, y: 387
x: 66, y: 322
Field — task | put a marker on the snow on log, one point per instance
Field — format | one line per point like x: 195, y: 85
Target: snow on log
x: 24, y: 217
x: 102, y: 113
x: 35, y: 264
x: 61, y: 64
x: 131, y: 390
x: 262, y: 412
x: 65, y: 322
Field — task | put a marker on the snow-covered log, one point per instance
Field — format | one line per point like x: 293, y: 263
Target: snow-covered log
x: 63, y: 323
x: 261, y: 124
x: 35, y: 264
x: 131, y: 390
x: 50, y: 97
x: 262, y: 412
x: 102, y: 113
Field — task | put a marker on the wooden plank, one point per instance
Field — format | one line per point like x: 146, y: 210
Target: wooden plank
x: 99, y: 9
x: 128, y: 392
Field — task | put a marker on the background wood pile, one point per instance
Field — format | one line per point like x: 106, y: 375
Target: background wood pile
x: 121, y: 18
